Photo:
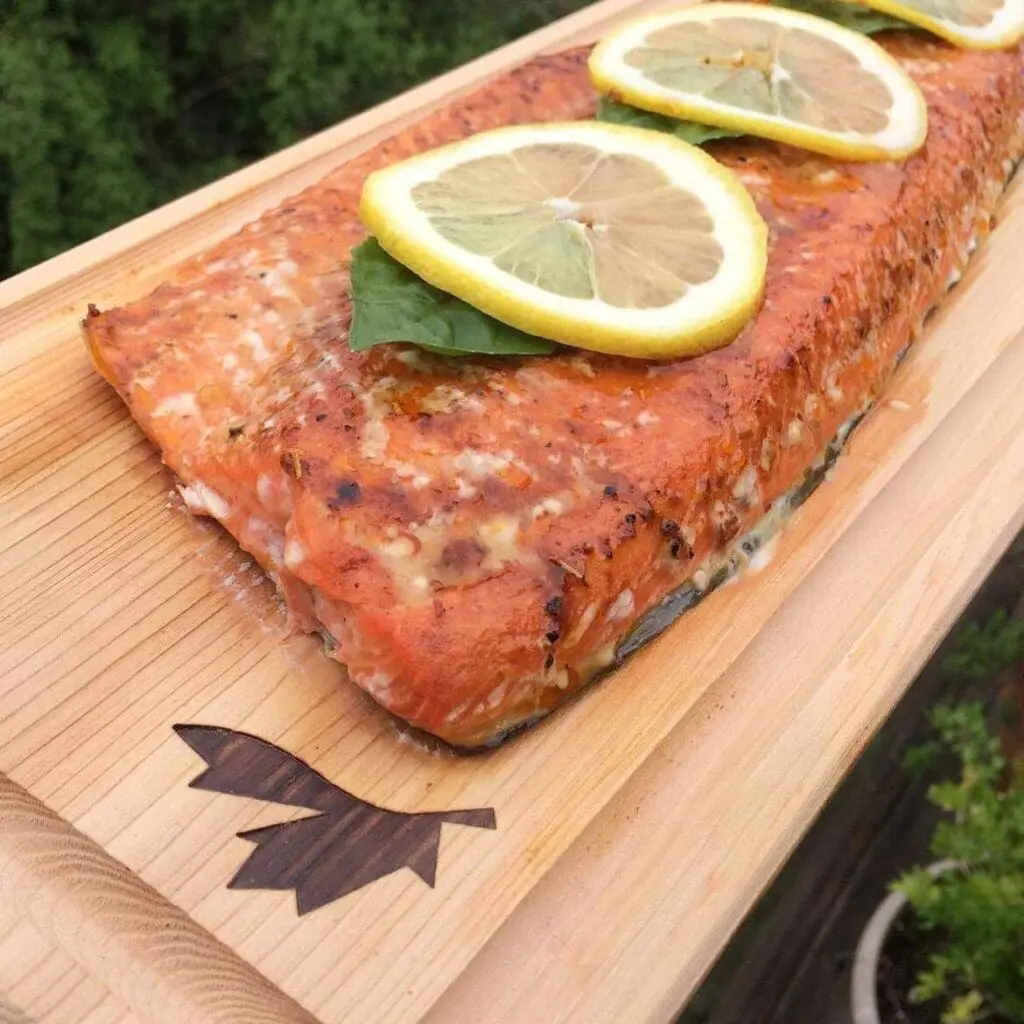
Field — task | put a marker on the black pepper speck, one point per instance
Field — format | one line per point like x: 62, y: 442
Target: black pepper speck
x: 348, y: 492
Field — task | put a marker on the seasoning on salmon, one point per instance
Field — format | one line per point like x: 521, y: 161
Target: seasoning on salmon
x: 480, y: 536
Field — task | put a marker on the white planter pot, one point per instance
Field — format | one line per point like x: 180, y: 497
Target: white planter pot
x: 863, y: 984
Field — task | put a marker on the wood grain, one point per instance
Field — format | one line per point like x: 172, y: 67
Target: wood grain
x: 344, y: 845
x: 122, y: 617
x: 634, y: 913
x: 41, y: 984
x: 10, y: 1014
x: 149, y: 953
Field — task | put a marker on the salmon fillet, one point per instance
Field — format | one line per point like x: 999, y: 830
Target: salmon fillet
x: 478, y: 538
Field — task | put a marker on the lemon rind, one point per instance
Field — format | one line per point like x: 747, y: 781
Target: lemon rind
x: 687, y: 327
x: 612, y: 76
x: 968, y: 37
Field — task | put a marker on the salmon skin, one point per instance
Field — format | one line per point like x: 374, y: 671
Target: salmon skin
x: 480, y: 537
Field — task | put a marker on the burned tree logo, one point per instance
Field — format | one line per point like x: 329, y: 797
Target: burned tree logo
x: 348, y: 844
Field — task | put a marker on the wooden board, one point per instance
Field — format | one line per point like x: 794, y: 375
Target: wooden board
x: 41, y: 983
x: 632, y: 915
x: 122, y: 618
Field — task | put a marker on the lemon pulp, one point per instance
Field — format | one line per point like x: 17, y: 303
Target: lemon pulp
x: 594, y: 235
x: 974, y: 24
x: 769, y: 71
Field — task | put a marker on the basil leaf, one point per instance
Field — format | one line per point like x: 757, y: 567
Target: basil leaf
x: 852, y: 15
x: 391, y: 304
x: 689, y: 131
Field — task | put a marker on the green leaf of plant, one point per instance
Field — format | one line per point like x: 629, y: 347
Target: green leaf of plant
x: 930, y: 985
x: 965, y: 1009
x: 391, y: 304
x: 696, y: 134
x: 857, y: 17
x: 917, y: 886
x: 974, y: 914
x: 986, y: 648
x: 918, y: 759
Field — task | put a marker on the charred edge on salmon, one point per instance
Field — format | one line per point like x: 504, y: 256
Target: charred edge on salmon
x: 720, y: 568
x: 723, y: 565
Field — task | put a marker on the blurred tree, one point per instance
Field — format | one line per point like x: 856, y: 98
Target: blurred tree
x: 111, y: 107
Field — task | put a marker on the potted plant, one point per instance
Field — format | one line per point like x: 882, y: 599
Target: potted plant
x: 950, y: 936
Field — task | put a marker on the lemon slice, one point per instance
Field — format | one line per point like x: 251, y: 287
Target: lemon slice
x: 767, y: 71
x: 974, y: 24
x: 600, y: 236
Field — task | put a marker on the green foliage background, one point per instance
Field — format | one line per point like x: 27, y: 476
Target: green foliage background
x: 111, y: 107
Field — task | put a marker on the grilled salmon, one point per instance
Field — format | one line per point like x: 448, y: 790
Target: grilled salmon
x: 478, y: 538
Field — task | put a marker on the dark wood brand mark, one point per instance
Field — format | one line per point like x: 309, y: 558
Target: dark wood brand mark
x: 349, y: 844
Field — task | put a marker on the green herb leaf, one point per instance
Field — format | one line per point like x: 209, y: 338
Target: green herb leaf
x: 689, y: 131
x: 972, y: 913
x: 391, y: 304
x: 858, y: 17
